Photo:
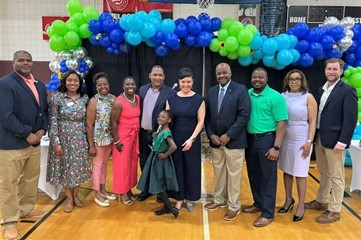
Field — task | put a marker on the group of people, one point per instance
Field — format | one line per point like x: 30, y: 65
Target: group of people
x: 162, y: 127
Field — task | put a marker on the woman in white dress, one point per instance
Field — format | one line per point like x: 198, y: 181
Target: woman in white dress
x: 295, y: 152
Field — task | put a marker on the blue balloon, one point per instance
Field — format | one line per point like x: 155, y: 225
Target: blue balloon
x: 245, y: 61
x: 194, y: 27
x: 180, y: 20
x: 167, y: 26
x: 334, y: 53
x: 258, y: 54
x: 105, y: 41
x: 110, y: 50
x: 148, y: 30
x: 176, y: 47
x: 301, y: 30
x: 53, y: 88
x: 104, y: 16
x: 216, y: 23
x: 296, y: 55
x: 123, y: 23
x: 316, y: 34
x: 354, y: 46
x: 269, y: 60
x: 190, y: 19
x: 206, y: 24
x: 350, y: 58
x: 108, y: 25
x: 357, y: 53
x: 48, y: 87
x: 117, y: 36
x: 283, y: 41
x: 54, y: 76
x: 302, y: 46
x: 171, y: 40
x: 327, y: 42
x: 256, y: 43
x: 64, y: 69
x: 190, y: 40
x: 293, y: 40
x: 306, y: 60
x: 279, y: 66
x: 133, y: 38
x: 284, y: 57
x: 155, y: 14
x: 157, y: 39
x: 203, y: 16
x: 337, y: 32
x: 156, y: 23
x: 95, y: 26
x: 315, y: 49
x: 204, y: 38
x: 161, y: 51
x: 62, y: 63
x: 94, y: 41
x: 134, y: 22
x: 181, y: 30
x: 149, y: 43
x: 269, y: 46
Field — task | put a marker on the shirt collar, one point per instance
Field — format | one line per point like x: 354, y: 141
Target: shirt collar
x: 225, y: 87
x: 326, y: 88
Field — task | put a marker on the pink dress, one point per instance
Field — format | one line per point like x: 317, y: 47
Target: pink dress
x: 125, y: 162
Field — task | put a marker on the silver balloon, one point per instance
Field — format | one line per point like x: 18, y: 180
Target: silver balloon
x: 58, y: 56
x: 348, y: 22
x: 80, y: 52
x: 72, y: 63
x: 82, y: 75
x: 330, y: 22
x: 89, y: 62
x: 345, y: 43
x: 65, y: 54
x: 349, y: 33
x: 54, y: 66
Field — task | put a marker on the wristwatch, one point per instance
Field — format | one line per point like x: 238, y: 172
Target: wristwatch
x: 277, y: 148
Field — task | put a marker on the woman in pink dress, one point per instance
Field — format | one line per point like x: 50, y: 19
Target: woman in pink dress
x: 125, y: 127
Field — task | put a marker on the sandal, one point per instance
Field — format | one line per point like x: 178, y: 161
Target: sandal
x: 124, y: 198
x: 131, y: 196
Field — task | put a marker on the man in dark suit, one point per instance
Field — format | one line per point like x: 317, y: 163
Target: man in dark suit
x: 153, y: 97
x: 227, y: 112
x: 23, y: 121
x: 337, y: 118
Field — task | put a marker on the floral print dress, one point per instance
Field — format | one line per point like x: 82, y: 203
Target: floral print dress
x: 67, y: 127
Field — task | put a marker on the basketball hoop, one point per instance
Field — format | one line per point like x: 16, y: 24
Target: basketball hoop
x: 205, y: 6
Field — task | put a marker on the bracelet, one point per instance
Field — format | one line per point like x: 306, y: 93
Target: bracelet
x: 309, y: 141
x: 115, y: 143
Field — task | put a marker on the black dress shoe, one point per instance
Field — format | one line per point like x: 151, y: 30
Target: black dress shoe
x: 175, y: 212
x: 163, y: 211
x: 143, y: 196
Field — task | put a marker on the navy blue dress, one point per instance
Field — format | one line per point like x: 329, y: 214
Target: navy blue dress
x: 187, y: 164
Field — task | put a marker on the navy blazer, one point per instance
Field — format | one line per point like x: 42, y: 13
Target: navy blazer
x: 339, y: 115
x: 160, y: 104
x: 233, y: 115
x: 20, y: 113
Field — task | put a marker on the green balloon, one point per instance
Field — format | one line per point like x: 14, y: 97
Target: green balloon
x: 90, y: 13
x: 84, y: 31
x: 223, y: 34
x: 226, y: 23
x: 358, y: 91
x: 232, y: 55
x: 235, y: 28
x: 251, y: 28
x: 50, y: 31
x: 355, y: 80
x: 223, y: 52
x: 71, y: 26
x: 214, y: 45
x: 71, y: 39
x: 73, y: 7
x: 59, y: 27
x: 245, y: 37
x: 78, y: 19
x: 57, y: 43
x: 352, y: 70
x: 359, y: 105
x: 359, y: 116
x: 347, y: 73
x: 231, y: 44
x: 244, y: 51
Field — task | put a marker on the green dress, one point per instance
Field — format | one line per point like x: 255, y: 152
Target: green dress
x: 158, y: 174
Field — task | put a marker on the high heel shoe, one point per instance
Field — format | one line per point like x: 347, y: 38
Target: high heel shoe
x: 284, y: 210
x: 299, y: 218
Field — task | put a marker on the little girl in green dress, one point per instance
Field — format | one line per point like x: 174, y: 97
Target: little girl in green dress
x: 158, y: 175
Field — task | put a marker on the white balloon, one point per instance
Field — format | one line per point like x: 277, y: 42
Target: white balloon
x: 349, y: 33
x: 54, y: 66
x: 72, y: 63
x: 345, y: 43
x: 330, y: 22
x: 348, y: 22
x: 80, y: 52
x: 89, y: 62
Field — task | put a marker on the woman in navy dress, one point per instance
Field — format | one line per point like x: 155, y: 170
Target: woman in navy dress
x: 188, y: 110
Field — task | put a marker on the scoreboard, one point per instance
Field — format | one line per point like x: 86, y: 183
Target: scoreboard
x: 315, y: 15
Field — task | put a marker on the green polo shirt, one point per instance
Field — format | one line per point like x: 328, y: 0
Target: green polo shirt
x: 268, y: 108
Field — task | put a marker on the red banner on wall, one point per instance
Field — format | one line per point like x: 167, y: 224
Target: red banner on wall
x: 47, y: 21
x: 131, y: 6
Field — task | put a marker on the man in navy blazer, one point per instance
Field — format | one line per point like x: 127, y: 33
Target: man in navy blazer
x: 23, y: 121
x: 337, y: 117
x: 227, y: 112
x: 153, y: 97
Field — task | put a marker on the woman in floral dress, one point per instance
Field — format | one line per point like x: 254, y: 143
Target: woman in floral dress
x: 68, y: 158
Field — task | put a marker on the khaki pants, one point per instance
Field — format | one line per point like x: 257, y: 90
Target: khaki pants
x: 19, y: 175
x: 227, y: 165
x: 330, y: 164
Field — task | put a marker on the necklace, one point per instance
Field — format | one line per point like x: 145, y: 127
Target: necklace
x: 131, y: 101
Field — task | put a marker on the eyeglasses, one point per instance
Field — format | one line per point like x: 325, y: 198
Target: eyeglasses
x: 296, y: 80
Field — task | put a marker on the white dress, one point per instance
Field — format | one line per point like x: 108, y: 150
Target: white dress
x: 290, y: 158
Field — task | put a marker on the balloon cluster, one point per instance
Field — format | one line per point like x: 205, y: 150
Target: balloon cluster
x: 353, y: 54
x: 67, y: 35
x: 65, y: 61
x: 352, y: 76
x: 329, y: 40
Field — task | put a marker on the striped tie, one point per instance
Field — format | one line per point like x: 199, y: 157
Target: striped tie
x: 220, y: 98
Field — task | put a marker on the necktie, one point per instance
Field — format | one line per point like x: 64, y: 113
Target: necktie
x: 220, y: 98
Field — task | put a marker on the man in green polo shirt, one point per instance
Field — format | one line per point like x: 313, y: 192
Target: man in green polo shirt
x: 266, y: 128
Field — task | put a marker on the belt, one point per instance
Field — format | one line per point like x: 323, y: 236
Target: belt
x: 261, y: 134
x: 147, y: 131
